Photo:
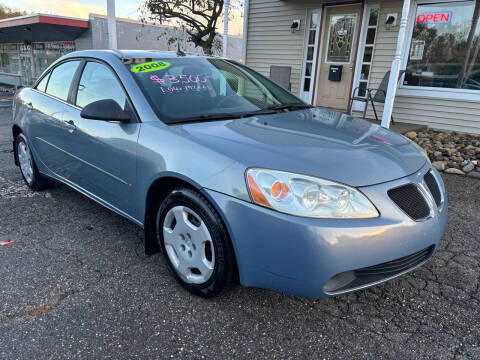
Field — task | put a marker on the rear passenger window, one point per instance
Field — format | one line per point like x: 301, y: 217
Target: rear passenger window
x: 43, y: 83
x: 61, y: 78
x: 98, y: 82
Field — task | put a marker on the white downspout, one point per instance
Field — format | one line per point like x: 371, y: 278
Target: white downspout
x: 245, y: 30
x: 395, y: 70
x: 112, y: 26
x: 225, y: 28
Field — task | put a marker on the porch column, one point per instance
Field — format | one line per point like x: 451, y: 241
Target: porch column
x: 245, y: 30
x: 395, y: 70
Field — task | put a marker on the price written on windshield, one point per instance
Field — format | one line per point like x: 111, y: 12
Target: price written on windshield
x: 180, y: 79
x: 179, y: 84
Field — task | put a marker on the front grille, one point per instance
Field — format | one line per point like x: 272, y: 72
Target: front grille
x: 372, y: 275
x: 433, y: 187
x: 410, y: 200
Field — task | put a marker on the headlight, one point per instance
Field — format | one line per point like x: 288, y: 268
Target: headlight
x: 307, y: 196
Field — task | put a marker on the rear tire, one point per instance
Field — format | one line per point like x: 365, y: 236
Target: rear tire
x: 195, y: 243
x: 28, y: 167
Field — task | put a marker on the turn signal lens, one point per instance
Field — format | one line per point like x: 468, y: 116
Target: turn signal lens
x: 257, y: 194
x: 279, y: 190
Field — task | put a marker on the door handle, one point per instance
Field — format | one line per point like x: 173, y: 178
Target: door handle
x: 70, y: 126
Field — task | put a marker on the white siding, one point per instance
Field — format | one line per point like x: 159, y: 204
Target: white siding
x: 436, y: 113
x: 270, y: 40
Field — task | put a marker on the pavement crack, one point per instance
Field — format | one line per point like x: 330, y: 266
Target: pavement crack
x: 44, y: 308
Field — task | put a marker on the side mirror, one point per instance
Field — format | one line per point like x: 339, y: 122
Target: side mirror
x: 106, y: 109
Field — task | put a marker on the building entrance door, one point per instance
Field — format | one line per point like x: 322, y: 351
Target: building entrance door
x: 338, y: 54
x: 26, y: 66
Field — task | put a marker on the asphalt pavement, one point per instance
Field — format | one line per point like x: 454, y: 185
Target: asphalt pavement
x: 76, y: 284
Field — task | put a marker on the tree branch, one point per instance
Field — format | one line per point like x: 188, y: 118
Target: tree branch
x: 198, y: 17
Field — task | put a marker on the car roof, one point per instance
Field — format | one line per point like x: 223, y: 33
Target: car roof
x: 126, y: 54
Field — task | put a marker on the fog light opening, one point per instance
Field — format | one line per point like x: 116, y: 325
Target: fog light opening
x: 339, y: 281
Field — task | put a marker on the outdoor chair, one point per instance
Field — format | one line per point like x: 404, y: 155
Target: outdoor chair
x: 374, y: 95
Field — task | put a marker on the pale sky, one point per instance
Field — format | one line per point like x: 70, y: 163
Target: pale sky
x: 81, y: 9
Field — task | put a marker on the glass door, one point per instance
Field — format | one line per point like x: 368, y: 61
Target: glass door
x: 26, y: 64
x: 310, y: 56
x: 339, y: 44
x: 365, y: 55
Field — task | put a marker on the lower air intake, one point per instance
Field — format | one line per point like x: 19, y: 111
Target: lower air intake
x: 368, y: 276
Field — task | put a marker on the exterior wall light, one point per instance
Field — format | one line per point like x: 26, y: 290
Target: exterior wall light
x: 295, y: 26
x: 391, y: 21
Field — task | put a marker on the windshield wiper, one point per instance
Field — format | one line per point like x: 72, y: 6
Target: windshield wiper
x: 273, y: 109
x: 227, y: 116
x: 289, y: 106
x: 207, y: 117
x: 266, y: 111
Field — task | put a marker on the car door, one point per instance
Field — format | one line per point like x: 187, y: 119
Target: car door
x: 103, y: 153
x: 46, y: 107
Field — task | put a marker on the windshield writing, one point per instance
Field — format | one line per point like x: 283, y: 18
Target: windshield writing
x: 190, y: 87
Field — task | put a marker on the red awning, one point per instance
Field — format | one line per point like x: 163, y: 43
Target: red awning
x: 41, y: 28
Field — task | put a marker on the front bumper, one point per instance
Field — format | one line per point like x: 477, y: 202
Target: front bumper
x: 298, y: 255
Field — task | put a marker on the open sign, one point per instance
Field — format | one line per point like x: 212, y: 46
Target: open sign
x: 444, y: 17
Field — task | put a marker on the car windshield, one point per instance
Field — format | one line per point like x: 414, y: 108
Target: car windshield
x: 187, y: 89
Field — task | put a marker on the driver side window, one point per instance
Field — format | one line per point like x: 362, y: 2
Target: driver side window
x: 99, y: 83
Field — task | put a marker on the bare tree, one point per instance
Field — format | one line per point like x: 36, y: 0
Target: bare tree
x: 474, y: 57
x: 198, y: 18
x: 8, y: 12
x: 470, y: 40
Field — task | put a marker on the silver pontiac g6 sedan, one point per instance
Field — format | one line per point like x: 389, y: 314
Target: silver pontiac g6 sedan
x: 231, y: 176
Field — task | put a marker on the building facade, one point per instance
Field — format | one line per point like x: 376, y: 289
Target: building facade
x: 29, y: 44
x: 335, y: 50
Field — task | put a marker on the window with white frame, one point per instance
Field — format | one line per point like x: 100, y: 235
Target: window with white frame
x: 445, y: 46
x: 368, y: 47
x: 310, y: 54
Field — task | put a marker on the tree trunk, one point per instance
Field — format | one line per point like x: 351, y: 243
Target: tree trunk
x: 471, y: 35
x: 206, y: 45
x: 208, y: 49
x: 474, y: 57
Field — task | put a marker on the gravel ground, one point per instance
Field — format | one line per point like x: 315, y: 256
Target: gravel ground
x: 76, y: 284
x: 449, y: 151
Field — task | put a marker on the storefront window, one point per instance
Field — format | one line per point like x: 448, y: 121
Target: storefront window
x: 444, y: 51
x: 30, y: 60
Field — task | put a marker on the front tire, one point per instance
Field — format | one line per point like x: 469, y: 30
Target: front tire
x: 28, y: 167
x: 195, y: 243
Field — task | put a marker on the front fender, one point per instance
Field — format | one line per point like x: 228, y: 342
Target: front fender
x: 165, y: 152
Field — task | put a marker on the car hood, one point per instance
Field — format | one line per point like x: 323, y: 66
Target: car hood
x: 318, y: 142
